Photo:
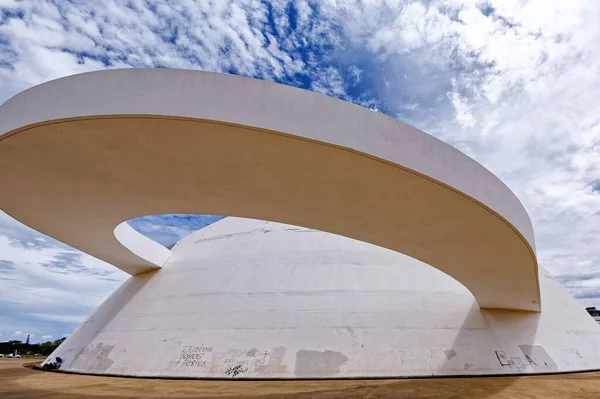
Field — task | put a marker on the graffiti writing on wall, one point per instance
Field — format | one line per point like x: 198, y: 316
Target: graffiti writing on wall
x: 517, y: 361
x: 236, y: 370
x: 193, y: 356
x: 245, y: 357
x: 231, y: 361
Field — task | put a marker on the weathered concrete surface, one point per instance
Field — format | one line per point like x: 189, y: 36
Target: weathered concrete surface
x: 315, y: 364
x: 250, y: 299
x: 80, y: 155
x: 20, y: 382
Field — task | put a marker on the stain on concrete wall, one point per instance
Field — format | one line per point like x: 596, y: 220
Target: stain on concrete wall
x: 275, y: 364
x: 252, y: 352
x: 215, y: 362
x: 94, y: 359
x: 318, y: 364
x: 537, y: 358
x: 450, y: 353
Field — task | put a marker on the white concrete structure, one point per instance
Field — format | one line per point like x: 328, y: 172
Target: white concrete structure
x: 249, y: 299
x: 94, y: 150
x: 243, y: 298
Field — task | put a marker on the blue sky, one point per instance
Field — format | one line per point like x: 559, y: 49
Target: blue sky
x: 514, y: 84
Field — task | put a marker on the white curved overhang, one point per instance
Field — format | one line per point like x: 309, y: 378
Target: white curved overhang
x: 141, y: 246
x: 82, y: 154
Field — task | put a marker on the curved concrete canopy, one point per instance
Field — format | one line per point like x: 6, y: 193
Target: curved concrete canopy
x: 82, y: 154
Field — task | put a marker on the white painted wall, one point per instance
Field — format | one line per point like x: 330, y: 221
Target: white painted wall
x: 251, y: 299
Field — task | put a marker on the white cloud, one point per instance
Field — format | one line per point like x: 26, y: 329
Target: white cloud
x: 53, y: 40
x: 355, y: 72
x: 46, y: 337
x: 462, y: 110
x: 329, y: 81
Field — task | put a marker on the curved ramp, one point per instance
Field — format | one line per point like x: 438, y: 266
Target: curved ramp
x: 82, y: 154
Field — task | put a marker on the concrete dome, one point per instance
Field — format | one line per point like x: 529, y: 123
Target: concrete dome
x: 244, y: 298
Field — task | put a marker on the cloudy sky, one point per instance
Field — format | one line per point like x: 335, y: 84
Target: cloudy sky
x: 515, y: 84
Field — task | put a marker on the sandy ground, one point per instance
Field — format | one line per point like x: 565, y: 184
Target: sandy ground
x: 19, y: 382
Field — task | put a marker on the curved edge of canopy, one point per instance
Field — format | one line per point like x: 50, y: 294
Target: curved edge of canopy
x: 213, y: 96
x: 140, y: 245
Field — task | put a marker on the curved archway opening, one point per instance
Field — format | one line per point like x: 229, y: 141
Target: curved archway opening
x: 167, y: 229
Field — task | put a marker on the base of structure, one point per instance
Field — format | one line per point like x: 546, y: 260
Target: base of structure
x: 400, y: 377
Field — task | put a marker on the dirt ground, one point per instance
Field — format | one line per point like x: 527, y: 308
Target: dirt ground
x: 17, y: 381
